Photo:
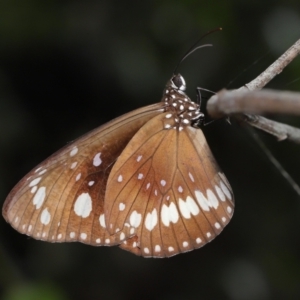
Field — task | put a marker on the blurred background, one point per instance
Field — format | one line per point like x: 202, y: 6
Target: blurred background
x: 67, y: 67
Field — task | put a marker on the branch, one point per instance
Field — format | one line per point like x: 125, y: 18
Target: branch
x: 248, y: 102
x: 225, y: 102
x: 279, y: 130
x: 276, y: 68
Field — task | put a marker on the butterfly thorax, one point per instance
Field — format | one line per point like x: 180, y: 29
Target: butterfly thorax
x: 181, y: 109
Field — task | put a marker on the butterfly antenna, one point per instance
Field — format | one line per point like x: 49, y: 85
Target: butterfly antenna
x: 194, y: 48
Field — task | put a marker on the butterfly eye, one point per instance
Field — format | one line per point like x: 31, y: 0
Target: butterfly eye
x: 178, y: 82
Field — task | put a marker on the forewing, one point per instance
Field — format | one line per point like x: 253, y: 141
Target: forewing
x: 62, y: 198
x: 166, y: 194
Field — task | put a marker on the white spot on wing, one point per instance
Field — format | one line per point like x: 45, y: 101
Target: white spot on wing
x: 180, y: 189
x: 45, y: 217
x: 98, y: 241
x: 83, y: 205
x: 223, y: 219
x: 74, y: 151
x: 146, y: 250
x: 97, y: 160
x: 188, y: 207
x: 83, y: 236
x: 37, y: 170
x: 169, y: 214
x: 135, y: 219
x: 163, y: 182
x: 73, y: 165
x: 184, y: 209
x: 191, y: 177
x: 33, y: 190
x: 192, y: 206
x: 151, y: 220
x: 217, y: 225
x: 72, y: 235
x: 43, y: 172
x: 225, y: 190
x: 121, y: 206
x: 203, y: 202
x: 198, y: 240
x: 78, y: 176
x: 220, y: 193
x: 212, y: 198
x: 208, y: 234
x: 185, y: 244
x: 91, y: 183
x: 157, y: 248
x: 139, y: 158
x: 102, y: 220
x: 35, y: 181
x: 120, y: 178
x: 171, y: 249
x: 140, y: 176
x: 122, y: 236
x: 29, y: 228
x: 229, y: 209
x: 39, y: 197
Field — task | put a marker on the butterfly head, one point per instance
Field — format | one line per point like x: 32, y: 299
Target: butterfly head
x: 183, y: 111
x: 178, y: 82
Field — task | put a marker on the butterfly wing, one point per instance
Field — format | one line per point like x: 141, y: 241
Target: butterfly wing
x: 62, y: 198
x: 166, y: 193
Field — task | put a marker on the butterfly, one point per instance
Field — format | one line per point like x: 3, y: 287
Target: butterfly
x: 146, y: 181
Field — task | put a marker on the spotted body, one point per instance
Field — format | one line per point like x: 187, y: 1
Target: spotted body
x: 146, y: 181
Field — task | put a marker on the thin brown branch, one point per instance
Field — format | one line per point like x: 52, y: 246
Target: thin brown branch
x: 249, y: 100
x: 276, y: 68
x: 279, y: 130
x: 226, y: 102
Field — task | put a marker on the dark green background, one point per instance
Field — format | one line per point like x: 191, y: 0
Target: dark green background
x: 69, y: 66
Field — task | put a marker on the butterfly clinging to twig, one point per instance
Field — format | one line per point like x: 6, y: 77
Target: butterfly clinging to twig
x: 146, y: 181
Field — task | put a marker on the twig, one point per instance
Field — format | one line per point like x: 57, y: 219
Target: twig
x: 256, y: 102
x: 279, y: 130
x: 244, y: 101
x: 276, y: 68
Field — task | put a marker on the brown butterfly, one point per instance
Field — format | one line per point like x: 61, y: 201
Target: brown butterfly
x: 146, y: 181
